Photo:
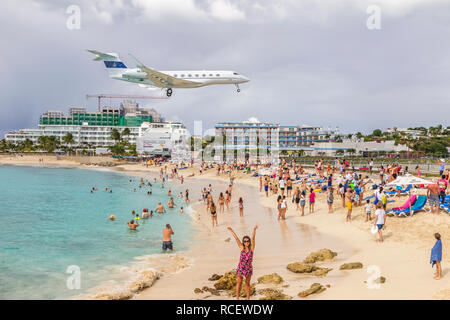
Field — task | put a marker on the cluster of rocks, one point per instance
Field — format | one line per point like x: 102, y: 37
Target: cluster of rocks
x: 228, y: 281
x: 308, y: 266
x: 103, y: 164
x: 315, y: 288
x: 273, y: 294
x: 351, y: 265
x: 300, y: 267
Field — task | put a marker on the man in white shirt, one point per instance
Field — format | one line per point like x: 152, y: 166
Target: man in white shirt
x: 380, y: 220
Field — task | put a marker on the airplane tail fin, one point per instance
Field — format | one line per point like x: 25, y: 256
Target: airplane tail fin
x: 112, y: 61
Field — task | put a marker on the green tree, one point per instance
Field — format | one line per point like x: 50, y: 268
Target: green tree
x: 125, y: 133
x: 68, y: 138
x: 115, y: 134
x: 48, y: 143
x: 377, y: 133
x: 117, y: 149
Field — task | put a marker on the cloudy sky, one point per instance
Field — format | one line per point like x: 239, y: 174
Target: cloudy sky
x: 310, y: 62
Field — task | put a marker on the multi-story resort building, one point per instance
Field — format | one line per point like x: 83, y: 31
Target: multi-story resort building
x: 93, y: 129
x: 244, y: 134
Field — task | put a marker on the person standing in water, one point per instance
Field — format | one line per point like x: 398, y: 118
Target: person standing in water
x: 436, y: 256
x: 245, y: 268
x: 167, y: 238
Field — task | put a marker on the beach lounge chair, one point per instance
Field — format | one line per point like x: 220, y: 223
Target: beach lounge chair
x: 419, y: 204
x: 407, y: 204
x: 393, y: 193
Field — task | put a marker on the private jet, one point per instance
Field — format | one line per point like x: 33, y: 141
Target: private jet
x: 165, y: 80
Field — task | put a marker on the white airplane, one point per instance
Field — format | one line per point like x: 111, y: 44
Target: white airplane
x: 165, y: 80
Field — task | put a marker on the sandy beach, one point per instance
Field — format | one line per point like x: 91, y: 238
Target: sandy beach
x: 403, y: 258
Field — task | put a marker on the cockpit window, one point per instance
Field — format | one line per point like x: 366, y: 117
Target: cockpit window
x: 236, y: 73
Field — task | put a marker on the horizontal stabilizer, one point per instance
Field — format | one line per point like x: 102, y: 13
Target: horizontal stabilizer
x: 104, y: 56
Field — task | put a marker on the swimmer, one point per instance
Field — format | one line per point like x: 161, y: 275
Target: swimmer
x: 169, y: 193
x: 171, y: 203
x: 112, y: 217
x: 132, y: 225
x: 181, y: 210
x: 133, y: 212
x: 160, y: 208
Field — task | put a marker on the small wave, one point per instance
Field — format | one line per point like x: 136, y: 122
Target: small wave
x: 142, y: 274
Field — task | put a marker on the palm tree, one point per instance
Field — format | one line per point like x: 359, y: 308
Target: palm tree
x: 68, y: 138
x: 125, y: 133
x: 115, y: 135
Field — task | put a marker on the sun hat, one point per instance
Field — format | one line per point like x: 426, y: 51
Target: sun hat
x: 374, y: 229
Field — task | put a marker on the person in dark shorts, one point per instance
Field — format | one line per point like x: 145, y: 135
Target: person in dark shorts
x: 167, y: 238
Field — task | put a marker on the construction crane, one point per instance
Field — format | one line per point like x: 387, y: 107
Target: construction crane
x: 118, y: 96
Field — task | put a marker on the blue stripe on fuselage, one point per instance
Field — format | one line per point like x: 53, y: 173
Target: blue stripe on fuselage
x: 114, y: 64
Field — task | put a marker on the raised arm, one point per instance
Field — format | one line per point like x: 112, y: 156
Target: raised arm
x: 239, y: 243
x: 254, y: 236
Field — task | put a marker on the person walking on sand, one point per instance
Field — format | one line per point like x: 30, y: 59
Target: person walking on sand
x: 213, y: 214
x: 330, y: 199
x: 380, y: 220
x: 260, y: 183
x: 436, y: 256
x: 244, y: 268
x: 283, y: 208
x: 433, y: 196
x: 303, y: 201
x: 279, y: 200
x: 221, y: 201
x: 266, y: 187
x: 167, y: 239
x: 312, y: 200
x: 241, y: 207
x: 349, y: 202
x: 368, y: 209
x: 296, y: 197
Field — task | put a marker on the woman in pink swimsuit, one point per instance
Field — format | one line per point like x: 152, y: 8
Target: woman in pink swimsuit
x: 245, y: 268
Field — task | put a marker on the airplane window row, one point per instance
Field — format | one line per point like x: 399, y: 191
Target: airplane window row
x: 203, y: 75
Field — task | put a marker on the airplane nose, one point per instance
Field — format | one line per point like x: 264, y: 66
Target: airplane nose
x: 245, y: 79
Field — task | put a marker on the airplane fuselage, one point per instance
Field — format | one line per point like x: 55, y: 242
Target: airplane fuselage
x: 198, y: 78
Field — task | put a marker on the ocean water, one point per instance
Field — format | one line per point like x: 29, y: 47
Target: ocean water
x: 49, y: 221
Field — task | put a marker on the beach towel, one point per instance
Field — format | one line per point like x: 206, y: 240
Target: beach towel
x: 436, y: 253
x: 407, y: 204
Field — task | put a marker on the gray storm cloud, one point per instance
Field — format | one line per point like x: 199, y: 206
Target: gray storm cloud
x: 311, y: 62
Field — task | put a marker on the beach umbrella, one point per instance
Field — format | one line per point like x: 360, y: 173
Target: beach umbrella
x: 406, y: 180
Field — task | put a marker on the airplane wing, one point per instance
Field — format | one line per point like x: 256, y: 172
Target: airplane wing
x: 160, y: 79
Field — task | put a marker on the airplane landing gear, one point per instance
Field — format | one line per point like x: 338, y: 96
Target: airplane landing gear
x: 169, y: 92
x: 238, y: 89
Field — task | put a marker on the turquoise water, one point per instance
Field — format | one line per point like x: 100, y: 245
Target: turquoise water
x: 49, y: 221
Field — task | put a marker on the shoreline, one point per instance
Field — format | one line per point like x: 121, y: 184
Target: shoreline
x: 403, y: 256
